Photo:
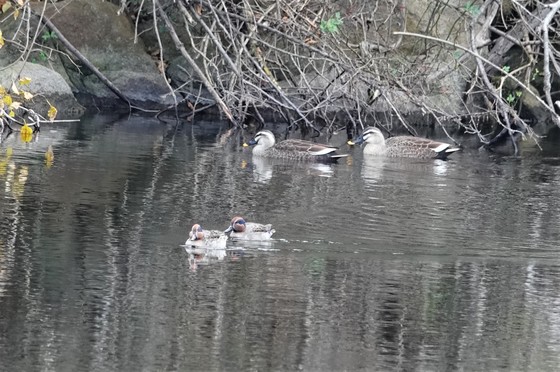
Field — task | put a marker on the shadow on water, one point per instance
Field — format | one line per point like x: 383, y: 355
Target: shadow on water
x: 376, y: 264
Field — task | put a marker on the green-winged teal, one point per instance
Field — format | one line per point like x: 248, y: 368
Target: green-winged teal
x: 402, y: 146
x: 199, y: 237
x: 266, y: 146
x: 240, y: 229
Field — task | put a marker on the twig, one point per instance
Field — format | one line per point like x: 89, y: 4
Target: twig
x: 181, y: 47
x: 547, y: 53
x: 554, y: 116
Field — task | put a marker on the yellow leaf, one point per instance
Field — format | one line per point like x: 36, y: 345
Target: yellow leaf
x: 14, y: 89
x: 49, y: 156
x: 2, y: 91
x: 26, y: 129
x: 26, y: 137
x: 52, y: 113
x: 7, y: 99
x: 12, y: 114
x: 19, y: 2
x: 7, y: 5
x: 24, y: 81
x: 26, y: 95
x: 9, y: 152
x: 1, y: 40
x: 16, y: 13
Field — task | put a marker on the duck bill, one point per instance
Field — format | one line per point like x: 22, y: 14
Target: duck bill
x: 357, y: 141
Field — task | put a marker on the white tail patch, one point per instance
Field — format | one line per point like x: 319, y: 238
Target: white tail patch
x: 453, y: 149
x: 441, y: 147
x: 325, y: 151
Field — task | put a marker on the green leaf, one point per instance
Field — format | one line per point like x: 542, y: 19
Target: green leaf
x: 332, y: 24
x: 510, y: 98
x: 48, y: 36
x: 472, y: 9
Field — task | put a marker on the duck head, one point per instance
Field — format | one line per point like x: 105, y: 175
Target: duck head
x: 196, y: 232
x: 264, y: 138
x: 238, y: 224
x: 369, y: 135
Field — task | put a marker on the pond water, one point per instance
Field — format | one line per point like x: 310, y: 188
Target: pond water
x: 375, y: 265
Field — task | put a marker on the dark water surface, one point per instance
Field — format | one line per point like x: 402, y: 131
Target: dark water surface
x: 376, y: 265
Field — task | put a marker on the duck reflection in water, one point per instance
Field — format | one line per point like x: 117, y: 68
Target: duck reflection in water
x: 263, y: 168
x: 375, y: 169
x: 198, y: 257
x: 203, y: 256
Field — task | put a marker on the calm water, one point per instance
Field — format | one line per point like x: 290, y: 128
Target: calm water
x: 376, y: 265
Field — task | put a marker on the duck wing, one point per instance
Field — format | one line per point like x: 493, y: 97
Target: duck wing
x: 258, y: 227
x: 296, y: 145
x: 418, y: 147
x: 214, y: 234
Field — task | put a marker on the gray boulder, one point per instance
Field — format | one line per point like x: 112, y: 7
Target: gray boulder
x: 106, y: 38
x: 46, y: 84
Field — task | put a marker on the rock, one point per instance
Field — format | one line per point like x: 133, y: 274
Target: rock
x: 107, y: 40
x: 46, y: 86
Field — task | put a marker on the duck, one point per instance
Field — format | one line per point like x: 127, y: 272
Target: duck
x: 198, y: 237
x: 240, y: 229
x: 402, y: 146
x: 265, y: 146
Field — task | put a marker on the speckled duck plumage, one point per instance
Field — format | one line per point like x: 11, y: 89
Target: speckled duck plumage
x: 240, y: 229
x: 403, y: 146
x: 265, y: 145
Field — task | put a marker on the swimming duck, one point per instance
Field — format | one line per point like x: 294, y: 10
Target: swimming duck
x: 240, y: 229
x: 402, y: 146
x: 266, y: 146
x: 199, y: 237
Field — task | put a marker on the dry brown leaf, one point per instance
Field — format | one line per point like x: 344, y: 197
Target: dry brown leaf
x: 310, y: 41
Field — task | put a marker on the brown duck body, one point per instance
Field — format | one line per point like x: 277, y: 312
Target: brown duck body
x: 415, y: 147
x: 403, y: 146
x: 266, y: 146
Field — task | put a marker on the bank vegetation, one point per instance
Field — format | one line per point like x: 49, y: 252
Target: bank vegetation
x: 487, y: 68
